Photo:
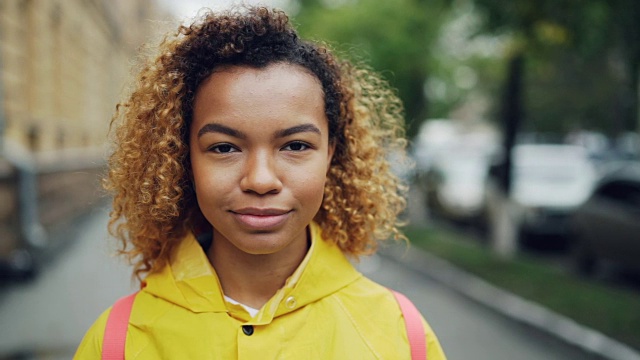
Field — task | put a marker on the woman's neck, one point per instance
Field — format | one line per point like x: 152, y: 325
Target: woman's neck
x: 253, y: 279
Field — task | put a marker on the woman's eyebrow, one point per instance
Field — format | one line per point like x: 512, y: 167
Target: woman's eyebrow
x: 297, y: 129
x: 218, y: 128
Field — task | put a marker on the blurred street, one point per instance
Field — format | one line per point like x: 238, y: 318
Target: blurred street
x: 46, y: 318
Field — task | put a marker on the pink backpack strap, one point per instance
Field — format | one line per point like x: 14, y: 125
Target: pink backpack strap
x: 115, y: 333
x: 413, y: 324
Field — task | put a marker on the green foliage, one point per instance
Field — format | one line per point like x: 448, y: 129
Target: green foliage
x: 566, y: 91
x: 581, y: 56
x: 393, y: 37
x: 583, y: 60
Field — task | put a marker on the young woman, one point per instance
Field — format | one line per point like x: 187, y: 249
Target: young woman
x: 248, y: 165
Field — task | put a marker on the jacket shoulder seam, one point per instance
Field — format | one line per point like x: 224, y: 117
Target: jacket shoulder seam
x: 355, y: 325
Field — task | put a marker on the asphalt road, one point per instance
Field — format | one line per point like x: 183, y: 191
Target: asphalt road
x: 46, y: 318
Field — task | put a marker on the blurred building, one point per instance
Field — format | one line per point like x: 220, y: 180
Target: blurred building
x: 63, y: 65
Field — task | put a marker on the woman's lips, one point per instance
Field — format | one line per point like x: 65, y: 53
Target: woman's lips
x: 261, y: 219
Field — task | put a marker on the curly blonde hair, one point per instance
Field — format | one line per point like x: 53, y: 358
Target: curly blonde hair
x: 154, y: 203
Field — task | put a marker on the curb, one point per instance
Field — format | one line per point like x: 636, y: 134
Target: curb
x: 510, y: 305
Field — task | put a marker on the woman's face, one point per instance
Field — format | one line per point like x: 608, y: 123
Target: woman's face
x: 260, y: 154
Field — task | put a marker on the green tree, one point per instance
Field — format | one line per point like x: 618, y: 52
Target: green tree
x: 545, y: 34
x: 593, y: 45
x: 393, y: 37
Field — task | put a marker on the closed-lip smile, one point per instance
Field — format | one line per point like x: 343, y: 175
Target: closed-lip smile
x: 260, y: 218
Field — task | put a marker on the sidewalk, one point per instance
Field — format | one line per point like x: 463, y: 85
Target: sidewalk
x: 46, y: 318
x: 510, y: 305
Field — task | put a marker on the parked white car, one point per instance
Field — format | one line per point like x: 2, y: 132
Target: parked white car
x: 549, y: 182
x: 452, y: 161
x: 456, y: 186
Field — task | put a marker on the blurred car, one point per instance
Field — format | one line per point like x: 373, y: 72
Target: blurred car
x: 434, y: 137
x: 627, y: 146
x: 549, y: 182
x: 452, y: 164
x: 455, y: 187
x: 607, y: 226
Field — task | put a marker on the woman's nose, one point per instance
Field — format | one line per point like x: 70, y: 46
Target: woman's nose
x: 260, y: 175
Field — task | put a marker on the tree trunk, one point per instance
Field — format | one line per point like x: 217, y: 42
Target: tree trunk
x: 512, y: 111
x: 504, y: 223
x: 635, y: 92
x: 627, y: 18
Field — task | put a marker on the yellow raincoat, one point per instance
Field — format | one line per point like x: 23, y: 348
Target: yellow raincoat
x: 326, y: 310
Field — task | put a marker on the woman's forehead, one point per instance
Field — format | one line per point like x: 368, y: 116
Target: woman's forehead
x: 276, y: 93
x: 250, y: 83
x: 260, y: 72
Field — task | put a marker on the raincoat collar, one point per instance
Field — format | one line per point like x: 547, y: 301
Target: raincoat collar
x: 190, y: 281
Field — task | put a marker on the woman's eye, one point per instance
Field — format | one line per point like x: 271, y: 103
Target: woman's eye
x: 222, y: 148
x: 296, y: 146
